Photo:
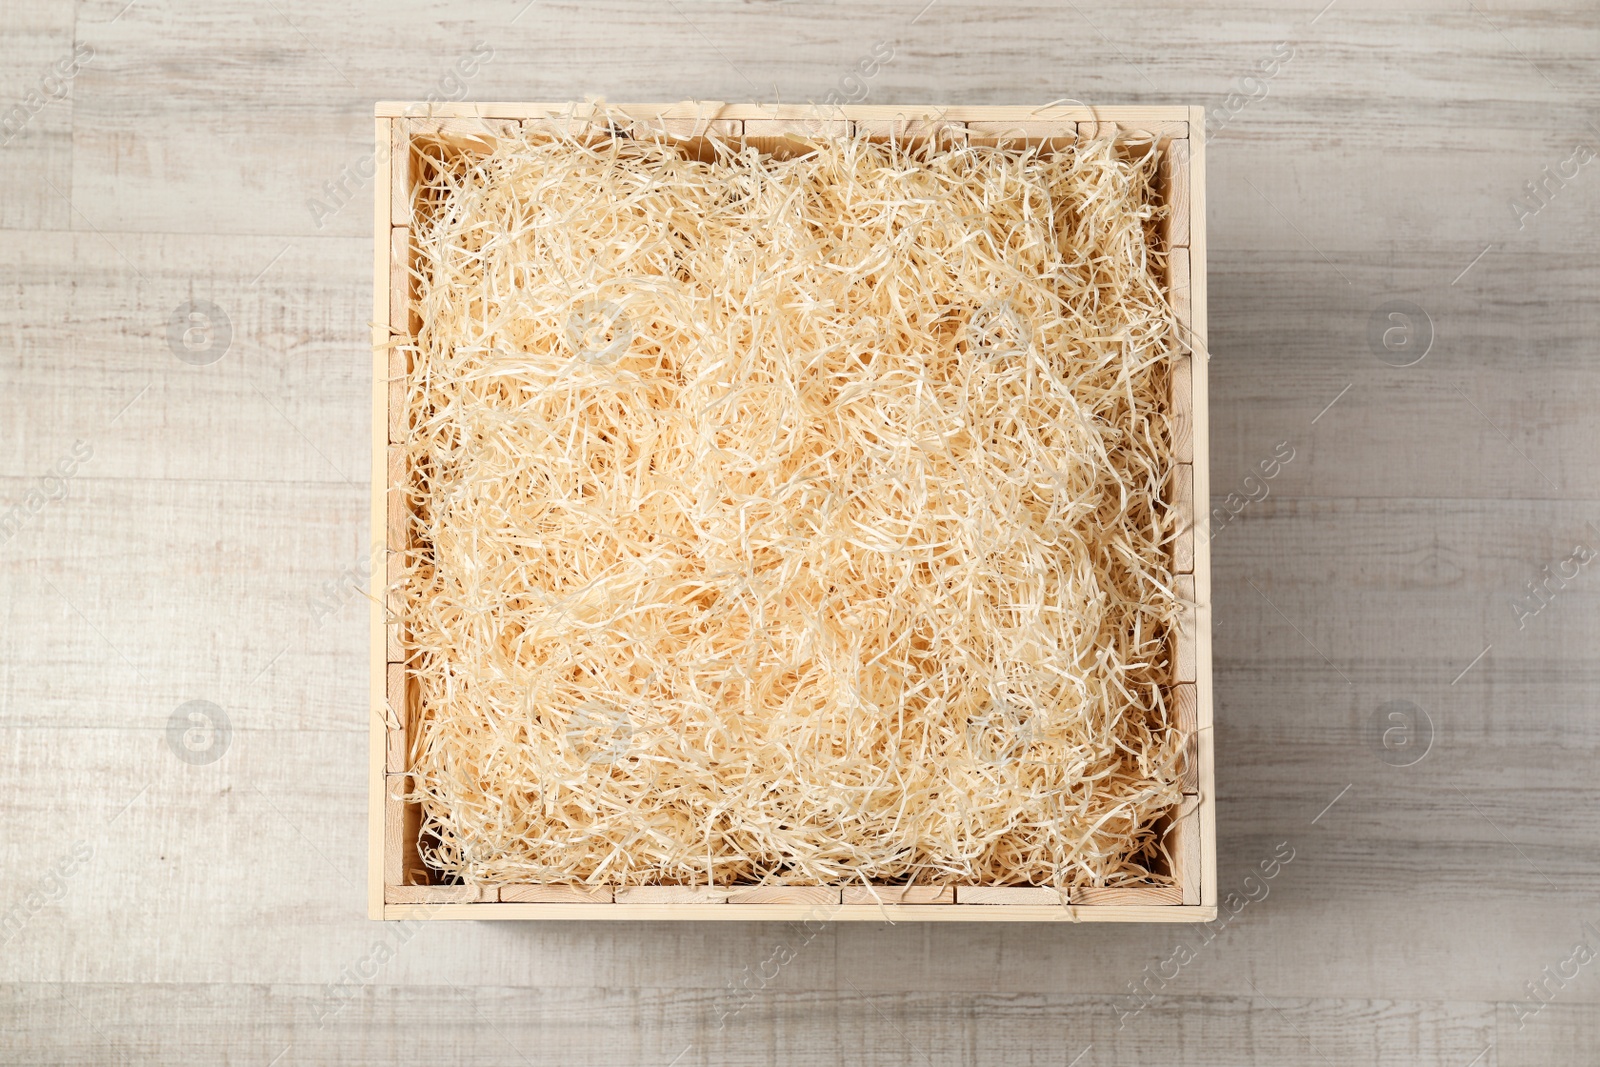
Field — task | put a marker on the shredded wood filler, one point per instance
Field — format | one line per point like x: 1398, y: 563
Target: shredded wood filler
x: 791, y: 521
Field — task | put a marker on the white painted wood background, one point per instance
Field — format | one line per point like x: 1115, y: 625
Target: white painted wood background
x: 221, y: 902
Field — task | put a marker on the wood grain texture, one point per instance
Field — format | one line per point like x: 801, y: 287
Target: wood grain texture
x: 1179, y: 293
x: 398, y: 165
x: 1200, y: 415
x: 913, y: 127
x: 1115, y: 897
x: 36, y: 153
x: 1175, y: 175
x: 1185, y: 846
x: 1553, y: 1034
x: 201, y: 552
x: 393, y: 625
x: 402, y: 865
x: 1182, y: 635
x: 555, y: 894
x: 1182, y: 414
x: 475, y: 135
x: 686, y: 127
x: 1167, y: 130
x: 672, y: 894
x: 652, y: 1022
x: 398, y: 720
x: 786, y: 138
x: 397, y: 538
x: 1044, y: 134
x: 785, y: 894
x: 1181, y: 514
x: 438, y: 894
x: 1186, y: 720
x: 402, y: 326
x: 1002, y: 895
x: 1350, y: 855
x: 899, y: 894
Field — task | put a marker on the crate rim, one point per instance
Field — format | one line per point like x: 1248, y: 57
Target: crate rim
x: 391, y: 118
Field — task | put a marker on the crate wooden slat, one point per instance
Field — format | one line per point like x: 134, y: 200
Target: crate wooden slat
x: 1108, y: 126
x: 1043, y: 134
x: 396, y: 725
x: 687, y: 128
x: 1182, y: 500
x: 785, y: 894
x: 913, y: 127
x: 1185, y: 844
x: 1179, y: 288
x: 673, y: 894
x: 1160, y: 896
x: 401, y: 824
x: 400, y: 321
x: 1175, y: 181
x: 555, y: 894
x: 1183, y: 646
x: 394, y: 647
x: 1160, y: 130
x: 397, y: 149
x: 900, y: 894
x: 1008, y: 895
x: 397, y: 532
x: 400, y: 325
x: 785, y: 138
x: 396, y: 888
x: 1182, y: 415
x: 439, y: 894
x: 1130, y: 116
x: 1188, y: 723
x: 461, y: 133
x: 397, y: 539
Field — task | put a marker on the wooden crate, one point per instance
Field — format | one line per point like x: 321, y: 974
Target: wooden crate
x: 398, y: 882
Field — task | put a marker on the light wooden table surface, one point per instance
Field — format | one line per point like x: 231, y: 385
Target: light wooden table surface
x: 214, y: 519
